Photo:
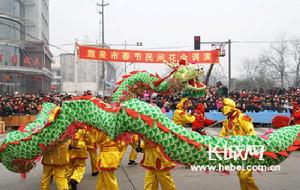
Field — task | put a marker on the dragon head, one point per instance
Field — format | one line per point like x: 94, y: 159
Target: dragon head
x: 186, y: 77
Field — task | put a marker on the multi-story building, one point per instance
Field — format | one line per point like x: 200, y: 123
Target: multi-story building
x: 56, y: 76
x: 37, y: 20
x: 25, y: 59
x: 86, y: 75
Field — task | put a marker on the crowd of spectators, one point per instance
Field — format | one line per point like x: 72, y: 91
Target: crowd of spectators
x: 277, y: 99
x: 27, y: 104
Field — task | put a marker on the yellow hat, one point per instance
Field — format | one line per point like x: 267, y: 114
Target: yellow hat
x: 181, y: 103
x: 229, y: 102
x: 228, y: 106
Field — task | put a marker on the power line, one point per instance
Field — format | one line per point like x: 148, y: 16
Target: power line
x: 207, y: 43
x: 260, y: 42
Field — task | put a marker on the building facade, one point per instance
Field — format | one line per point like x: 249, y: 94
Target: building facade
x: 37, y: 20
x: 85, y: 75
x: 56, y: 76
x: 25, y: 59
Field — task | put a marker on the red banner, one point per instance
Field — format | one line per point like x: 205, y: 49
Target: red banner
x: 117, y: 55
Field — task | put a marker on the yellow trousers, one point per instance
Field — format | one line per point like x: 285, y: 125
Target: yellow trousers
x: 133, y: 153
x: 164, y: 178
x: 93, y: 157
x: 247, y: 181
x: 59, y: 174
x: 107, y: 180
x: 76, y: 169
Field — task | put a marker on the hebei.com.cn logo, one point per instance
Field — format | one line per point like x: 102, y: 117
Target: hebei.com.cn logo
x: 236, y: 152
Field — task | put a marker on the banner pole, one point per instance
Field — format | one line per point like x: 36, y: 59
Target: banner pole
x: 76, y: 67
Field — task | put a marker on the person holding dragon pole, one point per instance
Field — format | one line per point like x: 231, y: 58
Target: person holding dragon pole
x: 181, y: 116
x: 238, y: 123
x: 201, y: 121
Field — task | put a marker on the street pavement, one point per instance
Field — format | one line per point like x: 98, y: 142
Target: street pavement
x: 132, y: 177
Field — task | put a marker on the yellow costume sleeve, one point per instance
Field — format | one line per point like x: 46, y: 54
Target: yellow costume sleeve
x: 182, y: 118
x: 187, y: 118
x: 78, y: 147
x: 247, y: 125
x: 223, y: 130
x: 91, y: 138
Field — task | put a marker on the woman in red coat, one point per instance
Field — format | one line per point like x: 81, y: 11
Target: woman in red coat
x: 201, y: 121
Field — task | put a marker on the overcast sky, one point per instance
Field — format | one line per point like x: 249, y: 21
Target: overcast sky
x: 172, y: 23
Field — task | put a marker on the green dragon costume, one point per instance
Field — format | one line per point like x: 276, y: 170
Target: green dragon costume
x: 183, y: 78
x: 53, y: 126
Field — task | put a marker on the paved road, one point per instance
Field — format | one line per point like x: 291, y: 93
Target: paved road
x: 131, y: 177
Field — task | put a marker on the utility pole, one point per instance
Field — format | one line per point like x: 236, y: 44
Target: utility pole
x: 229, y: 64
x: 125, y: 62
x: 102, y: 5
x: 222, y: 54
x: 76, y: 67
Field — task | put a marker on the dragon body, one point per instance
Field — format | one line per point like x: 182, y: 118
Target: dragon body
x: 54, y: 125
x: 183, y: 78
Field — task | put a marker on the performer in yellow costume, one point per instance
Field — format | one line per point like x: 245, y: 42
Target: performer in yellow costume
x: 78, y: 156
x: 181, y: 116
x: 55, y: 164
x: 134, y: 142
x: 238, y: 123
x: 158, y: 168
x: 108, y: 161
x: 91, y: 144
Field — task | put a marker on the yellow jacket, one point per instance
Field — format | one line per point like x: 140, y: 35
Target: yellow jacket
x: 237, y: 124
x: 57, y: 157
x: 134, y: 140
x: 91, y: 138
x: 181, y: 117
x: 110, y: 156
x: 78, y: 148
x: 153, y: 158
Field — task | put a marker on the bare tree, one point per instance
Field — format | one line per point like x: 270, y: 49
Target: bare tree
x: 249, y: 68
x: 276, y: 58
x: 295, y: 51
x: 256, y: 75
